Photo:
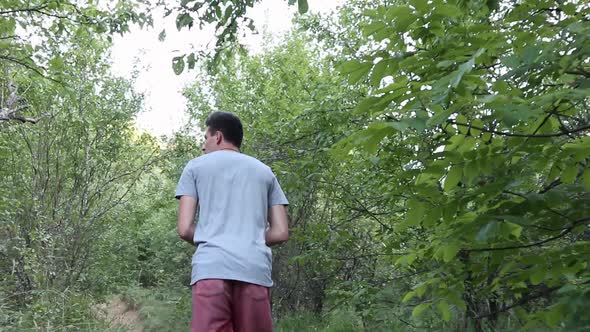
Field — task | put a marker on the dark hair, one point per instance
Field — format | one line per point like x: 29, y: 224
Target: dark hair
x: 229, y: 124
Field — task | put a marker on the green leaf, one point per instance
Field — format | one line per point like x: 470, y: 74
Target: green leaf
x: 487, y: 98
x: 409, y: 295
x: 506, y: 268
x: 554, y: 315
x: 191, y: 61
x: 432, y: 215
x: 368, y: 138
x: 373, y: 28
x: 462, y: 124
x: 419, y: 309
x: 416, y: 123
x: 366, y: 105
x: 569, y: 174
x: 227, y: 14
x: 183, y: 20
x: 415, y: 212
x: 454, y: 297
x: 162, y: 35
x: 470, y: 172
x: 444, y: 309
x: 377, y: 73
x: 521, y: 313
x: 445, y: 64
x: 487, y: 231
x: 492, y: 4
x: 515, y: 229
x: 586, y: 179
x: 456, y: 76
x: 402, y: 17
x: 355, y: 70
x: 56, y: 64
x: 420, y: 5
x: 537, y: 276
x: 477, y: 123
x: 400, y: 125
x: 178, y: 64
x: 453, y: 178
x: 530, y: 54
x: 449, y: 252
x: 406, y: 260
x: 440, y: 115
x: 302, y: 6
x: 454, y: 142
x: 421, y: 288
x: 447, y: 10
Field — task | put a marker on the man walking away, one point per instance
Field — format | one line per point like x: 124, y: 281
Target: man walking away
x: 241, y: 212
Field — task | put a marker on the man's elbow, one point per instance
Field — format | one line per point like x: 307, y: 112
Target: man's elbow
x: 275, y: 237
x: 283, y: 236
x: 184, y: 234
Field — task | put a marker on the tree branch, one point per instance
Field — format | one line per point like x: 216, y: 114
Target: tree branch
x: 404, y: 276
x: 63, y: 17
x: 368, y: 256
x: 22, y: 10
x: 522, y: 301
x: 28, y: 66
x: 564, y: 232
x: 550, y: 186
x: 40, y: 9
x: 583, y: 128
x: 19, y: 118
x: 578, y: 72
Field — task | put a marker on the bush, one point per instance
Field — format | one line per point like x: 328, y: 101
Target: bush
x: 52, y: 310
x: 337, y: 321
x: 161, y: 309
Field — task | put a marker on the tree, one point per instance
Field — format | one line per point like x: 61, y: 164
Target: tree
x: 63, y: 178
x: 493, y: 99
x: 35, y: 35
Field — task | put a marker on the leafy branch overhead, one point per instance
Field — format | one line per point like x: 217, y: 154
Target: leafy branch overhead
x: 30, y: 30
x: 499, y: 95
x: 229, y: 18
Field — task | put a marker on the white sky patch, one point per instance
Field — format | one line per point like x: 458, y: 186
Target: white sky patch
x: 164, y: 104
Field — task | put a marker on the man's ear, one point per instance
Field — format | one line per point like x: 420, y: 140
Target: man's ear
x: 218, y: 137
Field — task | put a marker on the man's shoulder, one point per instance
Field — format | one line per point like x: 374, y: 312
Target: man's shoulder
x: 237, y: 159
x: 195, y: 161
x: 254, y: 160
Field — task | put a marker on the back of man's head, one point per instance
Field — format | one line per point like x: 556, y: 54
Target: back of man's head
x: 229, y: 124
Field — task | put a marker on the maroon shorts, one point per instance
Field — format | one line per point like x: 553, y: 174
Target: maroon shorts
x: 228, y: 305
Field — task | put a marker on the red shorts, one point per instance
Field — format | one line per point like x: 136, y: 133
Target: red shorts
x: 228, y: 305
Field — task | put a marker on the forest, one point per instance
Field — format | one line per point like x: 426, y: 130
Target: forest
x: 435, y: 153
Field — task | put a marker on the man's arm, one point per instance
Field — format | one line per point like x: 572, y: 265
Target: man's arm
x: 278, y: 231
x: 186, y: 218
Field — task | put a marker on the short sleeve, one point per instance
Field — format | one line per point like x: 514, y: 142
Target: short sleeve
x: 187, y: 185
x: 275, y: 194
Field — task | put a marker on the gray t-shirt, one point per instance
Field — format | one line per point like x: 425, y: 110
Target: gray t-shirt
x: 234, y: 192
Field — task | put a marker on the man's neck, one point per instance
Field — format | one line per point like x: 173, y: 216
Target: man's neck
x: 230, y: 148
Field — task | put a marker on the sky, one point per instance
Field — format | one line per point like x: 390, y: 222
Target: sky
x: 141, y: 50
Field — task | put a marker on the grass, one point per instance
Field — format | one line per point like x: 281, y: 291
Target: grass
x: 161, y: 309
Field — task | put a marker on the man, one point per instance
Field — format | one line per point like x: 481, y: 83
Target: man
x: 241, y: 212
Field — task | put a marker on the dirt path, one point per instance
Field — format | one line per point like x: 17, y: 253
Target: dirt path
x: 119, y: 314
